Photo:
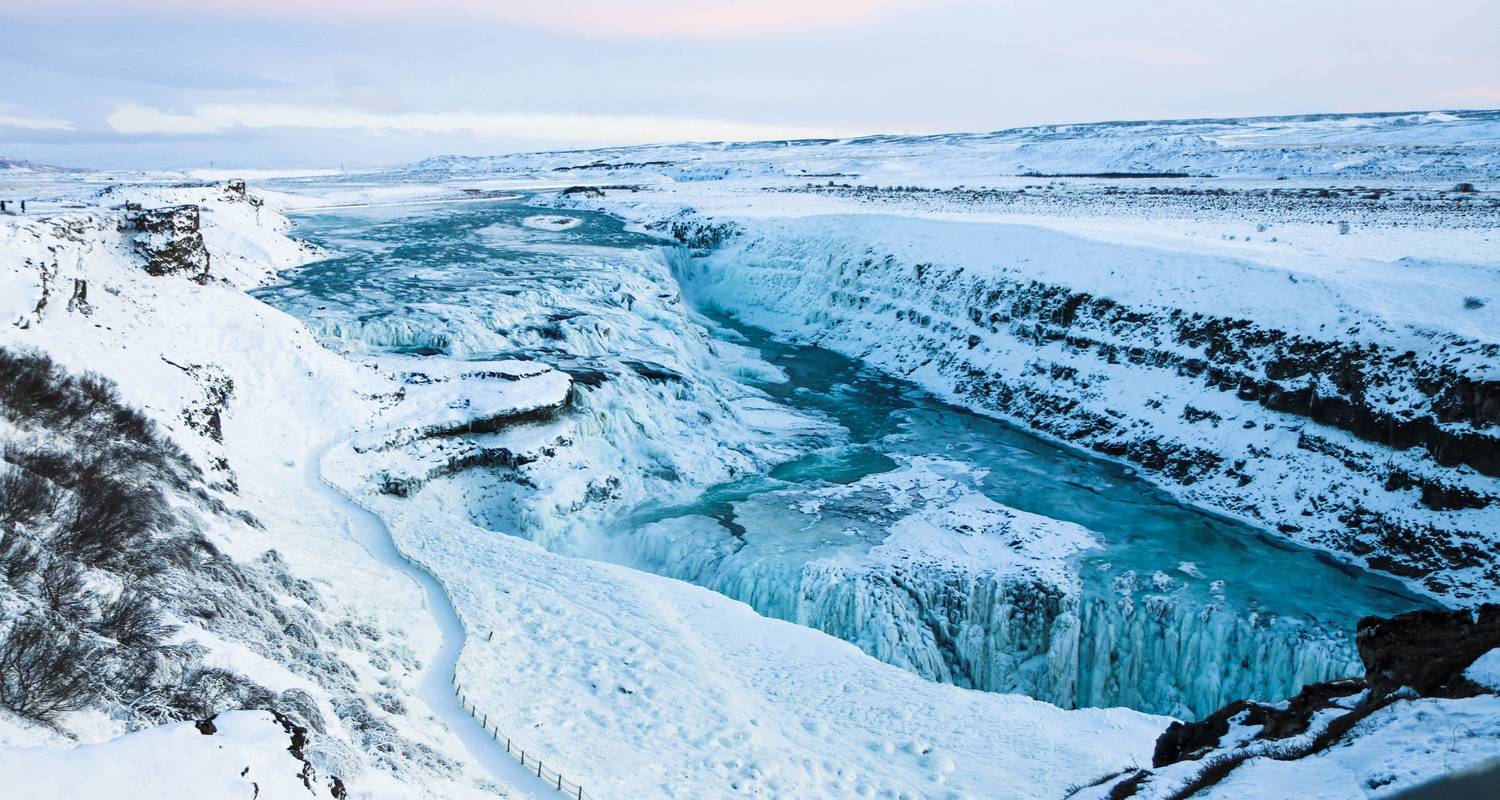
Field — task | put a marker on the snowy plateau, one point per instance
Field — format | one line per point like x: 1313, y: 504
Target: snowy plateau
x: 1155, y: 459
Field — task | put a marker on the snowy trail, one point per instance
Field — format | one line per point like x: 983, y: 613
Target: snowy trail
x: 435, y: 684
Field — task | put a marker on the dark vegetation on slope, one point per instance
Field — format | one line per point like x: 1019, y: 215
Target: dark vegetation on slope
x: 84, y: 505
x: 102, y: 523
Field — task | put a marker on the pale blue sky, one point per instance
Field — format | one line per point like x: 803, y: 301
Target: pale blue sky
x: 151, y: 83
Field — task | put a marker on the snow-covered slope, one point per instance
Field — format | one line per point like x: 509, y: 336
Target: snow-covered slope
x: 598, y: 669
x: 236, y: 754
x: 246, y: 391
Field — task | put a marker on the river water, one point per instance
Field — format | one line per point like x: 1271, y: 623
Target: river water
x: 1173, y: 610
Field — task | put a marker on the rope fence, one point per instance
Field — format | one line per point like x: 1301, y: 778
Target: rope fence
x: 528, y: 760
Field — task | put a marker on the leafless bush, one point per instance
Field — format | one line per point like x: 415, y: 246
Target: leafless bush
x: 36, y: 392
x: 19, y: 557
x: 110, y: 520
x: 133, y: 621
x: 206, y: 691
x: 54, y: 465
x: 61, y: 589
x: 24, y: 497
x: 302, y: 708
x: 46, y: 669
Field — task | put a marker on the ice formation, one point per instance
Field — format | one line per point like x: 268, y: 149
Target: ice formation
x: 665, y: 403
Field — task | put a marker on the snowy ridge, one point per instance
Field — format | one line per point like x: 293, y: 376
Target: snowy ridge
x: 1439, y: 145
x: 236, y: 754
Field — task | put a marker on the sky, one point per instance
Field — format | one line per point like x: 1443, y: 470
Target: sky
x: 137, y: 84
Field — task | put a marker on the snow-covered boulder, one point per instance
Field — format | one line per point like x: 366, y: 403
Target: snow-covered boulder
x: 238, y: 754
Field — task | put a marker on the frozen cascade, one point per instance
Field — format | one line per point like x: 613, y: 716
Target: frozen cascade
x: 839, y: 498
x: 1004, y: 619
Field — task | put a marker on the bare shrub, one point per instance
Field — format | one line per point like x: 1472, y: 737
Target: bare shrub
x: 206, y: 691
x: 46, y: 669
x: 110, y: 519
x: 54, y: 465
x: 302, y: 708
x: 19, y: 557
x: 133, y: 621
x: 25, y: 497
x: 61, y: 589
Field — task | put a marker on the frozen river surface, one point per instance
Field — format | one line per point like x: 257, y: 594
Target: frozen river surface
x: 867, y: 524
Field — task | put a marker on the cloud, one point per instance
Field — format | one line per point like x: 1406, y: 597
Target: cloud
x: 619, y: 18
x: 588, y: 128
x: 31, y: 123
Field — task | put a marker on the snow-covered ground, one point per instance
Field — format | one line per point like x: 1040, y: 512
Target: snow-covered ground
x: 605, y: 670
x: 1289, y: 321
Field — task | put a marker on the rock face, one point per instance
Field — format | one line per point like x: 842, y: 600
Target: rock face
x: 1185, y: 740
x: 1427, y: 651
x: 1407, y: 658
x: 169, y: 240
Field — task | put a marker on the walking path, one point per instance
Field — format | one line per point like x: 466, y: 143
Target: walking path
x: 436, y: 680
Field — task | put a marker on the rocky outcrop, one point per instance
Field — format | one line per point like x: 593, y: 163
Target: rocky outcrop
x: 169, y: 240
x: 1408, y: 657
x: 1427, y: 651
x: 297, y: 743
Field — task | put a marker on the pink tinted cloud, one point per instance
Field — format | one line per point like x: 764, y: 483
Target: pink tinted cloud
x: 637, y: 18
x: 374, y: 101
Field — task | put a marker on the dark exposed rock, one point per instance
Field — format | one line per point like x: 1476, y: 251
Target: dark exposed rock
x: 696, y: 234
x: 80, y: 300
x: 500, y: 458
x: 592, y: 378
x: 654, y: 372
x: 169, y: 240
x: 1406, y: 657
x: 1187, y: 740
x: 1427, y: 650
x: 493, y: 423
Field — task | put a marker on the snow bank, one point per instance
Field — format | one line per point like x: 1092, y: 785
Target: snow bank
x: 238, y: 754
